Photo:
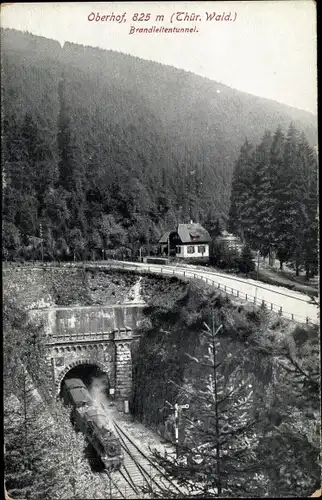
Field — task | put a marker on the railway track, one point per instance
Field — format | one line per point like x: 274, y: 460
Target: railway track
x: 140, y: 476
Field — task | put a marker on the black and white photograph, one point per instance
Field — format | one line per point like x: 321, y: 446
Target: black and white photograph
x: 160, y: 250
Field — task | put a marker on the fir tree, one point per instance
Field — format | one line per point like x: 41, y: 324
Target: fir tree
x: 217, y: 456
x: 286, y: 190
x: 308, y: 245
x: 264, y: 229
x: 288, y: 446
x: 241, y: 215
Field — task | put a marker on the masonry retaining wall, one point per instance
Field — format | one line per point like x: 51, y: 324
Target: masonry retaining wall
x: 35, y: 287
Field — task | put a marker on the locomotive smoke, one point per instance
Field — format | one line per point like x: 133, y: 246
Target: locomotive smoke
x: 98, y: 391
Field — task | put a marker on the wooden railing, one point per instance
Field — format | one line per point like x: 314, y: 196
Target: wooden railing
x: 132, y: 266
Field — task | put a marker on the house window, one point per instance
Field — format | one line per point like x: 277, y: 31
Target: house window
x: 201, y: 249
x: 178, y: 249
x: 191, y: 249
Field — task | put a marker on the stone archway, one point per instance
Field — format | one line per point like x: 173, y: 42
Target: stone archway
x: 78, y: 362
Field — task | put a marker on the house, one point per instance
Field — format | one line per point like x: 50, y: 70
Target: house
x: 187, y: 241
x: 230, y: 241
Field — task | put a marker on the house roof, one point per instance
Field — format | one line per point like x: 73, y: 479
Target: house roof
x: 193, y: 232
x: 189, y: 233
x: 164, y: 237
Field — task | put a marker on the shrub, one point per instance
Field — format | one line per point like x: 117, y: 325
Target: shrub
x: 224, y: 257
x: 246, y: 262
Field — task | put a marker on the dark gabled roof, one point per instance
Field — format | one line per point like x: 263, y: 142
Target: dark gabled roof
x: 188, y: 233
x: 193, y: 233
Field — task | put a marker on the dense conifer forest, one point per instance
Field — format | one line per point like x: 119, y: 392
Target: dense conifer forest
x: 104, y: 151
x: 274, y: 198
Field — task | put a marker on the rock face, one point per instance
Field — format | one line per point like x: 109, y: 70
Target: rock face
x: 90, y: 318
x: 36, y: 288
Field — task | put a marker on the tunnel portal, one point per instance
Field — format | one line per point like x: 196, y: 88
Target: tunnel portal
x: 92, y: 376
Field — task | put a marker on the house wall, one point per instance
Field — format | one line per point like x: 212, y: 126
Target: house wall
x: 185, y: 255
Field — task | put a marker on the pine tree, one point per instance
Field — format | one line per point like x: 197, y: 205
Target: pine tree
x: 290, y: 199
x: 217, y: 456
x: 276, y: 171
x: 307, y: 245
x: 288, y: 446
x: 242, y: 210
x: 264, y: 231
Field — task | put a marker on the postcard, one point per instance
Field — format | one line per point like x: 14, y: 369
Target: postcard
x: 160, y: 249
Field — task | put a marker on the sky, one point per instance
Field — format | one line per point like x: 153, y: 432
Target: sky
x: 266, y: 48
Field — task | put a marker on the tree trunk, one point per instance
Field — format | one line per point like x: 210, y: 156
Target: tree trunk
x: 218, y: 447
x: 281, y: 265
x: 307, y: 270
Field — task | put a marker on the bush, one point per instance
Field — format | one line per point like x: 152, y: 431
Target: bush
x: 224, y: 257
x: 246, y: 262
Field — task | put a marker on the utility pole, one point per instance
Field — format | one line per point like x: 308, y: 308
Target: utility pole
x: 257, y: 265
x: 177, y: 409
x: 169, y: 246
x: 42, y: 245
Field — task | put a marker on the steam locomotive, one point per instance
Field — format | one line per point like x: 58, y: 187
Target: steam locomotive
x: 93, y: 423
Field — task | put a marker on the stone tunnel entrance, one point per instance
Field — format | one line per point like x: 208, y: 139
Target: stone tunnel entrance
x: 93, y: 376
x: 87, y: 373
x: 96, y: 380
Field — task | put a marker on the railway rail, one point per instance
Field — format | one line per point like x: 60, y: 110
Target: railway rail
x: 140, y: 476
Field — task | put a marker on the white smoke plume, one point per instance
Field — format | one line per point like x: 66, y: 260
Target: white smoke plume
x: 98, y: 391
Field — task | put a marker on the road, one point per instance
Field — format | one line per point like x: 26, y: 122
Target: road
x: 291, y: 304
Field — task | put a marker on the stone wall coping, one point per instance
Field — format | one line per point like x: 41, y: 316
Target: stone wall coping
x: 96, y: 307
x: 93, y: 340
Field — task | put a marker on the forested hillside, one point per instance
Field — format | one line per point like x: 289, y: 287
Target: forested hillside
x: 104, y: 150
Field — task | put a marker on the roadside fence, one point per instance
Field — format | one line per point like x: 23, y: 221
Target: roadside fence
x: 180, y: 273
